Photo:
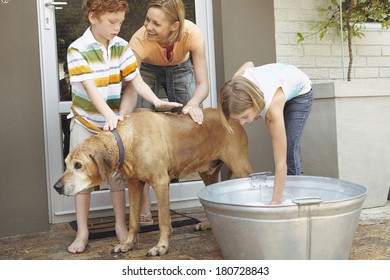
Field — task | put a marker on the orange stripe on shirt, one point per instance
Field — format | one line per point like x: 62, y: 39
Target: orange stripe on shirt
x: 76, y: 71
x: 129, y: 69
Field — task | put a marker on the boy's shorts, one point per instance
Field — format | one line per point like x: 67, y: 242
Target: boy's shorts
x: 78, y: 134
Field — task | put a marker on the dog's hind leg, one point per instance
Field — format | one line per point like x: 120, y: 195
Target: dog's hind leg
x: 240, y: 167
x: 211, y: 176
x: 135, y: 193
x: 208, y: 179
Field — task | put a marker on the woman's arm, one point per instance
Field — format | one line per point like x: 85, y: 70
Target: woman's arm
x: 202, y: 85
x: 275, y: 123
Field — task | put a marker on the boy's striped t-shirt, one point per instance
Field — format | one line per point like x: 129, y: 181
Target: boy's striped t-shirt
x: 90, y: 60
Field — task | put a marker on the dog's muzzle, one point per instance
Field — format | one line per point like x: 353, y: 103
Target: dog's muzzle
x: 59, y: 187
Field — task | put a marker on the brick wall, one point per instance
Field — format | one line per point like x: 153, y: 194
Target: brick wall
x: 322, y: 59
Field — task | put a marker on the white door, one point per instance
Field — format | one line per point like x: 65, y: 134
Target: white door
x: 182, y: 194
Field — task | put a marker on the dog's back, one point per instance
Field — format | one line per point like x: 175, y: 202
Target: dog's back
x: 183, y: 145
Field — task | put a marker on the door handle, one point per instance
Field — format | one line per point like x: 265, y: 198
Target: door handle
x: 56, y: 5
x: 49, y: 13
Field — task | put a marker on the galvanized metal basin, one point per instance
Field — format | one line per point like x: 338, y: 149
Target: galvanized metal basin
x: 317, y: 220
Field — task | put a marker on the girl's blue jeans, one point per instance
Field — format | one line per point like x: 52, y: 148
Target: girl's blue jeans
x: 296, y: 113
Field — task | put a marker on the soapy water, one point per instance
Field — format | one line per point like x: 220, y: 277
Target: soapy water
x: 268, y: 203
x: 262, y: 196
x: 260, y: 191
x: 254, y: 196
x: 263, y: 191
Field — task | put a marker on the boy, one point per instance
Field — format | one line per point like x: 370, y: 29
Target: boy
x: 98, y: 62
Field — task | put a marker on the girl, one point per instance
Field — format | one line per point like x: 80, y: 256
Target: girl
x: 281, y: 95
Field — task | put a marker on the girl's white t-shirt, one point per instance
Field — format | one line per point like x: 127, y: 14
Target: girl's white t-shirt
x: 270, y: 77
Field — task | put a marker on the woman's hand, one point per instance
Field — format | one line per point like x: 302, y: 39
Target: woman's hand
x: 195, y: 113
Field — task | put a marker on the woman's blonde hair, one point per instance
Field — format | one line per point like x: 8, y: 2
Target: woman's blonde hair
x: 236, y: 96
x: 99, y: 7
x: 175, y: 11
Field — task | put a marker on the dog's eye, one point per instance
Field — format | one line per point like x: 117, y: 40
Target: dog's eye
x: 77, y: 165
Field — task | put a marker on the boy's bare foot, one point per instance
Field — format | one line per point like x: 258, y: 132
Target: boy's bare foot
x: 79, y: 244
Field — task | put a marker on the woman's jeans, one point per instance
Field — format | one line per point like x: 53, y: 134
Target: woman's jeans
x: 296, y: 112
x: 178, y: 81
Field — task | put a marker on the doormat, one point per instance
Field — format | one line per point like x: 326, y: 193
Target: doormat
x: 105, y: 227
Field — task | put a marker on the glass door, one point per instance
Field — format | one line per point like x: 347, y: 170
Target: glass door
x: 60, y: 24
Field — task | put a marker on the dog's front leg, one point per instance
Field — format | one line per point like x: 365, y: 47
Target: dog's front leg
x: 164, y: 220
x: 135, y: 192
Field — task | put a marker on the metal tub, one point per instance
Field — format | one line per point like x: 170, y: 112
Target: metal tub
x: 317, y: 220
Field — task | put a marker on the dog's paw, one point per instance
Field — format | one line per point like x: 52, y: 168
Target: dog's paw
x: 123, y: 247
x: 202, y: 226
x: 157, y: 251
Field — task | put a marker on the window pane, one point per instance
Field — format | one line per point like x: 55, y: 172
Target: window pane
x: 71, y: 25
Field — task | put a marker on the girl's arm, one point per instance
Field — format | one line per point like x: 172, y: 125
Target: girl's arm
x: 275, y: 123
x: 202, y: 85
x: 241, y: 70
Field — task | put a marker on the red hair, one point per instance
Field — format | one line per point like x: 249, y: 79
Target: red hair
x: 99, y: 7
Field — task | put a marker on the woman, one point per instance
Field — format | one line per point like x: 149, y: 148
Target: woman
x: 281, y: 95
x: 171, y: 53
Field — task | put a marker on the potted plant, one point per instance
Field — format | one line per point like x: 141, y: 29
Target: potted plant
x: 347, y: 134
x: 350, y: 18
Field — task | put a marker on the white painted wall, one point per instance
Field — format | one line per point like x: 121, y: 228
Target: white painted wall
x: 347, y: 136
x: 322, y: 59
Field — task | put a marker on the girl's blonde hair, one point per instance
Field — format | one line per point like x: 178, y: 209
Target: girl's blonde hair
x: 236, y: 96
x: 175, y: 11
x: 99, y: 7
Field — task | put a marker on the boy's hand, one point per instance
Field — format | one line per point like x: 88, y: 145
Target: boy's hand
x: 112, y: 122
x: 160, y: 104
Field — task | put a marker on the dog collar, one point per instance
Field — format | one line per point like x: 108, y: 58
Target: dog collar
x: 121, y: 148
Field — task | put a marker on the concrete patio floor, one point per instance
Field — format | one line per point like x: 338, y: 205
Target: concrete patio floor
x: 371, y: 242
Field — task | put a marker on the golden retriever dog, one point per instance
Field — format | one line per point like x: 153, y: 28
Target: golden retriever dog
x: 157, y: 147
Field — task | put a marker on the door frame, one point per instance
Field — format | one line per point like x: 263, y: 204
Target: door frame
x: 61, y: 208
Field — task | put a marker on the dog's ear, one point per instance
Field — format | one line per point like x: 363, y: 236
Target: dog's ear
x: 103, y: 162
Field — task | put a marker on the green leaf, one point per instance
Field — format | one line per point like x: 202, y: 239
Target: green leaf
x: 300, y: 37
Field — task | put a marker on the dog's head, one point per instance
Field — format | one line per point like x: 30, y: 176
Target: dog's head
x: 87, y: 166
